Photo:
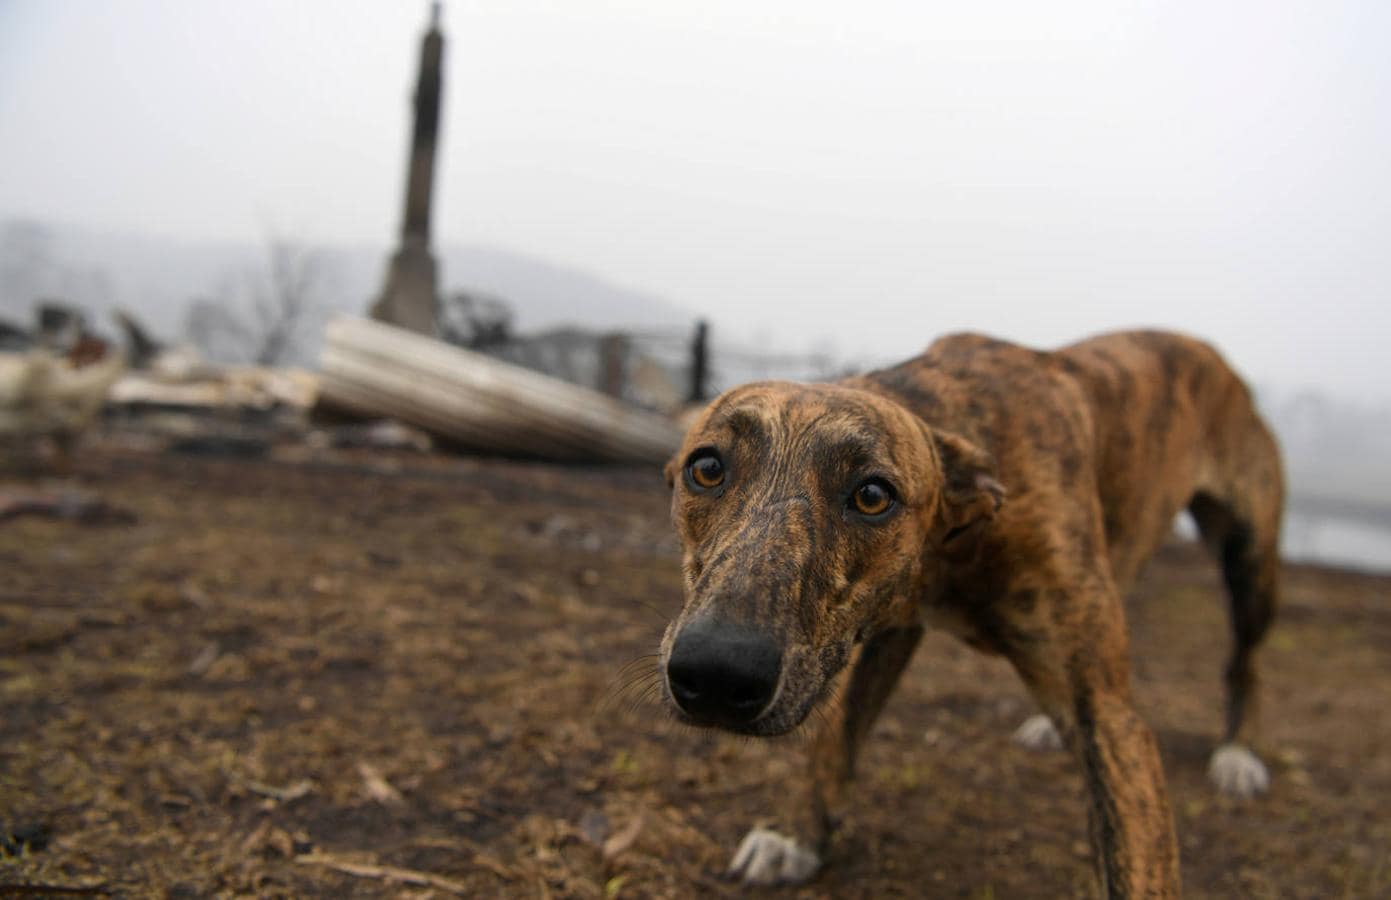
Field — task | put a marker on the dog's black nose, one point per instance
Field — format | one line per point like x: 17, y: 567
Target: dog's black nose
x: 723, y: 673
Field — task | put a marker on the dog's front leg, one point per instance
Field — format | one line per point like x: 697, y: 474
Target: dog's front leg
x: 1132, y: 829
x: 773, y: 856
x: 1082, y: 680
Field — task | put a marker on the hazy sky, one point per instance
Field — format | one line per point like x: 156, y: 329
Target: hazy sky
x: 868, y: 173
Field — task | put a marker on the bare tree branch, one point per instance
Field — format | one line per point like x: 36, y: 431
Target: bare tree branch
x: 260, y: 319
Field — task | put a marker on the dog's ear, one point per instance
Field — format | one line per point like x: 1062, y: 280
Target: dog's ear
x: 970, y: 494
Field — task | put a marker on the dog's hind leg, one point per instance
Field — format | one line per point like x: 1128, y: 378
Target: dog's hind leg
x: 770, y: 856
x: 1247, y: 549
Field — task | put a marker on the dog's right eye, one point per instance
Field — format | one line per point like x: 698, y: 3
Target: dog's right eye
x: 705, y: 471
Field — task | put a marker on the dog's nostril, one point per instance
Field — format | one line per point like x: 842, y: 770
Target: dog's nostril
x: 723, y: 673
x: 684, y: 693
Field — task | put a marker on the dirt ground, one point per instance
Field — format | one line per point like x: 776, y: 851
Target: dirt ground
x: 404, y: 676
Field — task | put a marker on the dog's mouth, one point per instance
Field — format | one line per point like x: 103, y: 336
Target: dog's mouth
x: 775, y: 720
x: 733, y: 687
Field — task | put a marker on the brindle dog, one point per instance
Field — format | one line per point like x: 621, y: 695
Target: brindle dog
x: 1007, y: 495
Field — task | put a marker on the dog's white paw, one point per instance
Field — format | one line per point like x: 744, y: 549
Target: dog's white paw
x: 1237, y: 771
x: 766, y: 857
x: 1038, y: 733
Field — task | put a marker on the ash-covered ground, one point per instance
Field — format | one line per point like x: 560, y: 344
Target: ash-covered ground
x: 370, y: 674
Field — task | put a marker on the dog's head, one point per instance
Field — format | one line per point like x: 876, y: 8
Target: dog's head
x: 809, y: 516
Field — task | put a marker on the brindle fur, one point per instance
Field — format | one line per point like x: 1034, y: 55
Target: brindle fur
x: 1032, y: 487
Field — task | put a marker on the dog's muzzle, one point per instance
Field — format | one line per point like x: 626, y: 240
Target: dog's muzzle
x: 723, y: 674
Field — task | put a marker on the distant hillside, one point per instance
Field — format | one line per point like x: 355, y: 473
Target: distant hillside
x: 158, y: 277
x: 1335, y: 450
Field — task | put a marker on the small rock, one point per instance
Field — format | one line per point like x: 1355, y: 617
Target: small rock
x: 594, y: 826
x: 205, y: 658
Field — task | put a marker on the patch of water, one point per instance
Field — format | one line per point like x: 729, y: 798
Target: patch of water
x: 1324, y: 539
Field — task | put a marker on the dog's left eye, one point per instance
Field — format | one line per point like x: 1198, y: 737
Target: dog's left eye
x: 873, y: 498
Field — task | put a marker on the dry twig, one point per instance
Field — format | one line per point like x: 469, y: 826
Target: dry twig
x: 622, y: 840
x: 384, y: 873
x: 378, y: 788
x: 299, y: 789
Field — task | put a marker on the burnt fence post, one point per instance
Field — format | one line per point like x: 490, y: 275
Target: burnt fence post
x: 700, y: 361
